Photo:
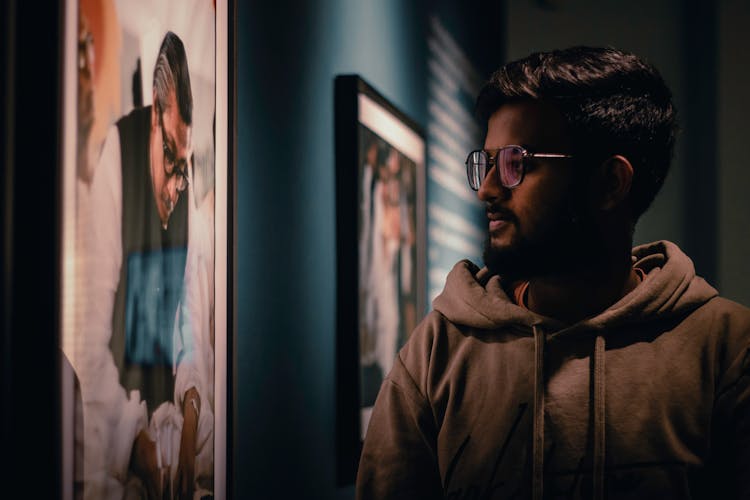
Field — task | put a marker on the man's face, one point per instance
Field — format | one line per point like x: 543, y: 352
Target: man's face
x: 171, y: 147
x: 538, y: 227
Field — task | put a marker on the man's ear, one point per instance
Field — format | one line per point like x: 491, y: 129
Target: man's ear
x: 613, y: 182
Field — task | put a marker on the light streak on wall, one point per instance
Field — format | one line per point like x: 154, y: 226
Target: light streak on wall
x: 454, y: 215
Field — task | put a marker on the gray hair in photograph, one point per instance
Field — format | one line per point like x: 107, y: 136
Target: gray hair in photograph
x: 171, y: 74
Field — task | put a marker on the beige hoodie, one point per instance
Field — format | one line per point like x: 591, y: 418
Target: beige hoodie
x: 649, y: 399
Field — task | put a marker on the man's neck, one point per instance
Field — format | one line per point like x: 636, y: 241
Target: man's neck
x: 583, y: 293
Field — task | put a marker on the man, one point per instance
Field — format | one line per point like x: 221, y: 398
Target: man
x: 136, y: 253
x: 570, y: 366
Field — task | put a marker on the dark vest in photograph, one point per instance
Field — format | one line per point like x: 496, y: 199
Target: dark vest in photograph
x: 152, y: 272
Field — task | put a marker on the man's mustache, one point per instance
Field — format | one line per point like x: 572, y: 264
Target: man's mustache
x: 497, y: 212
x: 168, y: 203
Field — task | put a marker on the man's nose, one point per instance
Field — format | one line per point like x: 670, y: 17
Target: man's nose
x: 491, y: 189
x: 174, y: 194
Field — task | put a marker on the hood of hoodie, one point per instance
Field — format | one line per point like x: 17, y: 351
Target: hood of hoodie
x: 475, y: 298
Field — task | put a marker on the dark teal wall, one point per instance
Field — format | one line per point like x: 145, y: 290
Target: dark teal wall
x: 289, y: 54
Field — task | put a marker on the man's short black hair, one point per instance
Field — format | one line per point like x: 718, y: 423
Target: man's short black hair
x: 612, y: 101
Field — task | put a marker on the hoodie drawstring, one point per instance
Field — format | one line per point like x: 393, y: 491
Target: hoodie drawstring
x: 538, y: 426
x: 599, y: 415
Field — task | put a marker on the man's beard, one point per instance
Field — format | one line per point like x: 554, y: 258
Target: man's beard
x: 567, y: 242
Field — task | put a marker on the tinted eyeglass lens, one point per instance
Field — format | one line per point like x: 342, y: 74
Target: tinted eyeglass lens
x: 476, y: 167
x: 510, y: 165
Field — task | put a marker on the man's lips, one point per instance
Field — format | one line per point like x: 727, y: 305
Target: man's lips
x: 498, y: 219
x: 497, y: 224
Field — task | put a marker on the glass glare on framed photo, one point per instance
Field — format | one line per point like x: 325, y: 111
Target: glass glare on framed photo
x: 144, y: 248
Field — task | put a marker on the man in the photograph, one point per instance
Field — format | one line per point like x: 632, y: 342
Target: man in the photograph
x: 571, y: 366
x: 136, y: 251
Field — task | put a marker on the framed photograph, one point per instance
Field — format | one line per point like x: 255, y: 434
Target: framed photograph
x: 147, y: 239
x: 380, y: 207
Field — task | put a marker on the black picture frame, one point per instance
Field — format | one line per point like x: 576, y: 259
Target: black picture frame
x: 29, y: 223
x: 366, y: 123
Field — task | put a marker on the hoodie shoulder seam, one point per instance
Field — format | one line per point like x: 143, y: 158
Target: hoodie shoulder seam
x: 471, y: 306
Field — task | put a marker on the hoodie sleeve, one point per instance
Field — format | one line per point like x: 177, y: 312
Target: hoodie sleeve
x: 731, y: 424
x: 399, y: 457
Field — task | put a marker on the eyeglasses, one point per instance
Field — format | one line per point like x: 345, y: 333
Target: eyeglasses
x: 509, y: 161
x: 170, y: 162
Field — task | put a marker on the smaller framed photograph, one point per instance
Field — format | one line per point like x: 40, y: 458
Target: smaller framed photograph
x: 380, y: 207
